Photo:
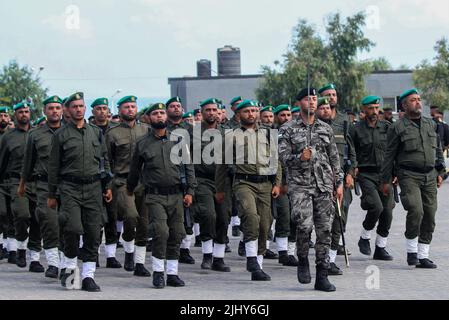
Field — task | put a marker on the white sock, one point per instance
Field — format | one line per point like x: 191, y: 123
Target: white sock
x: 282, y: 244
x: 260, y: 261
x: 332, y: 256
x: 11, y: 244
x: 268, y: 244
x: 110, y: 250
x: 128, y: 246
x: 62, y: 260
x: 158, y: 264
x: 34, y: 255
x: 235, y: 221
x: 412, y: 245
x: 251, y: 248
x: 70, y: 263
x: 139, y: 254
x: 196, y: 229
x: 381, y: 242
x: 186, y: 243
x: 207, y: 246
x: 172, y: 267
x: 22, y: 245
x: 219, y: 250
x: 88, y: 270
x: 423, y: 251
x: 366, y: 234
x: 119, y: 226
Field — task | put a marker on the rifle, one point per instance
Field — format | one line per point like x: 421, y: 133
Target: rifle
x: 395, y: 193
x: 104, y: 176
x: 274, y: 209
x: 342, y: 233
x: 188, y: 224
x: 357, y: 187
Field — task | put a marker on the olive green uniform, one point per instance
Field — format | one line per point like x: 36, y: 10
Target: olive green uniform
x: 164, y: 196
x: 370, y: 146
x: 37, y: 152
x: 12, y: 151
x: 74, y: 168
x: 416, y: 151
x: 121, y: 141
x: 252, y: 186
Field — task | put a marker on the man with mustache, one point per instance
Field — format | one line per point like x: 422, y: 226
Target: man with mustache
x: 152, y: 164
x: 414, y: 147
x: 370, y: 141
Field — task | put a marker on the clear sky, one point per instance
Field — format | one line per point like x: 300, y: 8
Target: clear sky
x: 135, y: 45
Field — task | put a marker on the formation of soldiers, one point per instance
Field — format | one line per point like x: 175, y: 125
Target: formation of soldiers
x: 66, y: 184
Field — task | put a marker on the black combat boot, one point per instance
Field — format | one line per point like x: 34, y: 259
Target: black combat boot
x: 174, y: 281
x: 334, y: 270
x: 21, y: 258
x: 426, y: 264
x: 36, y: 267
x: 287, y: 260
x: 88, y: 284
x: 236, y: 231
x: 270, y: 255
x: 158, y: 280
x: 412, y: 258
x: 242, y: 250
x: 207, y: 261
x: 219, y: 265
x: 129, y: 261
x: 62, y: 273
x: 12, y: 257
x: 321, y: 281
x: 141, y: 271
x: 197, y: 242
x: 52, y: 272
x: 113, y: 263
x: 260, y: 275
x: 228, y: 248
x: 303, y: 271
x: 251, y: 264
x: 381, y: 254
x: 185, y: 257
x: 364, y: 247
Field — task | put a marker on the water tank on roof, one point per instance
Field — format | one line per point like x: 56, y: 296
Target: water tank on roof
x: 228, y: 59
x: 203, y: 68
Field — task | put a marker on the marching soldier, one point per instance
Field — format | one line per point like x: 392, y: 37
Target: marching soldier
x: 121, y: 141
x: 296, y: 112
x: 255, y: 183
x: 12, y: 151
x: 213, y: 217
x: 388, y: 114
x: 78, y: 160
x: 414, y: 147
x: 37, y: 152
x: 342, y: 128
x: 370, y: 141
x: 285, y: 229
x: 267, y: 116
x: 161, y: 177
x: 307, y: 148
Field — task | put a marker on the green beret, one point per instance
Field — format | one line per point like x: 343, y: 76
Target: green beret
x: 329, y: 86
x: 99, y: 102
x: 209, y: 101
x: 38, y: 121
x: 64, y: 100
x: 127, y: 99
x: 408, y: 93
x: 387, y: 108
x: 322, y: 101
x: 52, y: 99
x: 370, y: 100
x: 267, y: 109
x: 21, y: 105
x: 296, y: 109
x: 235, y: 99
x: 74, y: 97
x: 174, y: 99
x: 282, y: 107
x: 154, y: 107
x: 143, y: 111
x: 187, y: 115
x: 4, y: 109
x: 196, y: 111
x: 246, y: 104
x: 222, y: 106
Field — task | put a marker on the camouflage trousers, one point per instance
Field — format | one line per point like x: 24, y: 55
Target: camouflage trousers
x: 312, y: 208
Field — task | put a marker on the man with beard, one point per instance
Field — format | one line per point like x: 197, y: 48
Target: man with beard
x: 370, y: 144
x: 175, y: 121
x: 414, y: 147
x: 255, y: 182
x: 197, y: 115
x: 285, y: 228
x: 267, y: 116
x: 188, y: 118
x: 65, y: 112
x: 164, y: 198
x: 7, y: 237
x: 121, y: 142
x: 12, y: 151
x: 37, y: 152
x: 212, y: 217
x: 296, y: 111
x: 340, y: 125
x: 388, y: 114
x: 100, y: 112
x: 307, y: 148
x: 78, y: 158
x: 234, y: 122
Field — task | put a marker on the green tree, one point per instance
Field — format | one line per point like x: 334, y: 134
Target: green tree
x: 331, y: 60
x: 19, y: 84
x: 433, y: 79
x: 380, y: 64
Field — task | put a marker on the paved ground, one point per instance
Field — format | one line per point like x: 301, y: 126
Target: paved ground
x: 396, y: 279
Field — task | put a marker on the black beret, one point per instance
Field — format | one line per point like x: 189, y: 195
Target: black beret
x: 304, y: 93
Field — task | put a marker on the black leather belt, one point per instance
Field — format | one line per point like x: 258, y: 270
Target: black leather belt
x: 204, y: 176
x: 416, y: 169
x: 369, y: 169
x: 253, y: 178
x: 164, y: 190
x: 121, y: 175
x: 82, y: 180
